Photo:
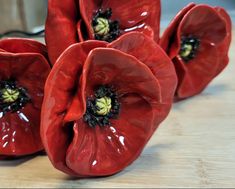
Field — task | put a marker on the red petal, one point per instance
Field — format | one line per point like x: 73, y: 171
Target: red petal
x: 142, y: 47
x: 131, y: 14
x: 143, y: 16
x: 20, y: 132
x: 17, y: 45
x: 61, y: 26
x: 107, y: 150
x: 88, y: 9
x: 172, y: 47
x: 202, y: 21
x: 5, y: 71
x: 126, y: 73
x: 194, y: 20
x: 92, y: 153
x: 59, y: 94
x: 198, y: 72
x: 224, y: 47
x: 30, y: 72
x: 213, y: 27
x: 147, y: 30
x: 81, y: 31
x: 32, y: 75
x: 228, y: 21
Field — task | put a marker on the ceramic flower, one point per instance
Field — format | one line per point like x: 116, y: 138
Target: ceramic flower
x: 23, y: 72
x: 71, y: 21
x: 103, y: 101
x: 197, y: 40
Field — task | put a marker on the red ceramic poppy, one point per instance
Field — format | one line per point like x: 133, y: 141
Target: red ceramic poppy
x: 23, y: 72
x: 71, y: 21
x: 197, y: 40
x: 103, y: 101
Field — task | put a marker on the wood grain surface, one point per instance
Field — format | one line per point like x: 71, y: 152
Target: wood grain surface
x: 194, y: 147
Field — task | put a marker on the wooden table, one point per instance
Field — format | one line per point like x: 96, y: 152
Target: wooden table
x: 194, y: 147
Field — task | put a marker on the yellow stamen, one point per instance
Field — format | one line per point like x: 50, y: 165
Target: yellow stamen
x: 102, y: 27
x: 187, y: 49
x: 10, y: 95
x: 104, y: 105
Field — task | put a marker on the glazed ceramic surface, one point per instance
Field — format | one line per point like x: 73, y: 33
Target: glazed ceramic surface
x: 70, y: 21
x: 22, y: 61
x: 211, y: 26
x: 144, y: 83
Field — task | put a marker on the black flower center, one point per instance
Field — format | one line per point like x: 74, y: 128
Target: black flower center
x: 189, y: 47
x: 104, y: 28
x: 12, y: 97
x: 102, y: 107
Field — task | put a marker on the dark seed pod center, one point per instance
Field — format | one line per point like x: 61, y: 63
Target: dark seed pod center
x: 12, y: 97
x: 102, y: 107
x: 189, y: 48
x: 104, y: 28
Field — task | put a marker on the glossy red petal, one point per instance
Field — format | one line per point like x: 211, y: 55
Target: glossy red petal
x: 142, y: 16
x: 105, y: 151
x: 188, y: 22
x: 4, y: 66
x: 200, y: 22
x: 32, y: 75
x: 61, y: 26
x: 222, y: 12
x: 198, y: 72
x: 149, y: 53
x: 111, y: 66
x: 91, y: 153
x: 194, y: 20
x: 136, y: 15
x: 59, y: 95
x: 212, y: 26
x: 82, y: 32
x: 169, y: 42
x: 30, y: 71
x: 19, y: 45
x: 20, y: 132
x: 224, y: 47
x: 88, y: 9
x: 147, y: 30
x: 209, y: 61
